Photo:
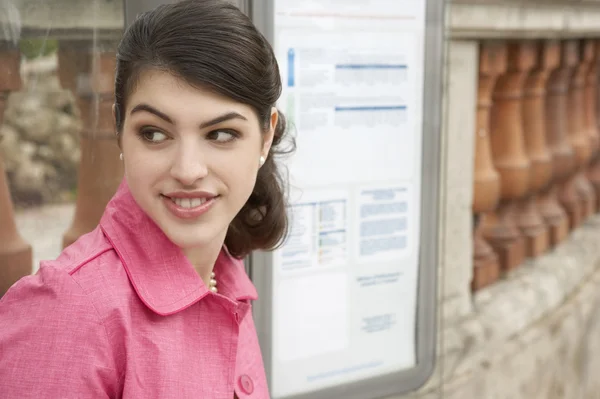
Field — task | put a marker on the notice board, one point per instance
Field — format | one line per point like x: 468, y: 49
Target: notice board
x: 347, y: 305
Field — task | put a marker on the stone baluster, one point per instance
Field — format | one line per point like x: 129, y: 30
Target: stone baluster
x: 529, y: 219
x: 591, y: 80
x: 15, y: 253
x: 558, y: 140
x: 562, y: 110
x: 593, y: 51
x: 552, y: 212
x: 486, y: 190
x: 89, y: 73
x: 579, y: 136
x: 508, y: 153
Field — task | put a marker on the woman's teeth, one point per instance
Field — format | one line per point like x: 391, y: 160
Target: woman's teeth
x: 189, y: 202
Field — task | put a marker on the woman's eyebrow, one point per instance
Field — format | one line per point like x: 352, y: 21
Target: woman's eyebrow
x: 222, y: 118
x: 148, y: 108
x: 215, y: 121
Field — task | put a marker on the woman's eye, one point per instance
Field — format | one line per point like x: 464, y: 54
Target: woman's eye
x: 153, y: 136
x: 222, y: 136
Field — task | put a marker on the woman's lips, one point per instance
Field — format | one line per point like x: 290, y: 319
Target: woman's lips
x: 189, y: 206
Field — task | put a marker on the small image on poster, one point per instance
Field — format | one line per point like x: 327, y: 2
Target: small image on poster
x: 318, y: 233
x: 299, y: 250
x: 383, y: 223
x: 332, y: 232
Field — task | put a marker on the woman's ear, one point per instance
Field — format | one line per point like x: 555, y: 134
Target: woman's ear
x: 268, y: 138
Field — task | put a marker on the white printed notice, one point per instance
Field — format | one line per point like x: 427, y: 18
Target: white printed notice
x: 383, y: 217
x: 318, y: 234
x: 345, y: 281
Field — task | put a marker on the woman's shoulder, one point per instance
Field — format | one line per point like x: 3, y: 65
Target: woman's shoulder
x: 57, y: 325
x: 87, y: 272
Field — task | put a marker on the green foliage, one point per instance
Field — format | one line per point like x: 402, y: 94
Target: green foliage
x: 33, y: 48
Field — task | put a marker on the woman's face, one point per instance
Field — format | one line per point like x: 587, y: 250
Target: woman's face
x: 191, y: 157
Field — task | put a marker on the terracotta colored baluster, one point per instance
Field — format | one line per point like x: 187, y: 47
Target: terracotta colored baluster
x: 15, y: 253
x: 508, y: 152
x: 579, y: 136
x: 558, y: 138
x: 531, y: 221
x: 593, y: 46
x: 591, y: 80
x: 90, y: 76
x: 486, y: 191
x: 597, y: 88
x: 552, y: 212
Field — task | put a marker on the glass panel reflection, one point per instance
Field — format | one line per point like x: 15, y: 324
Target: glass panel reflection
x: 59, y: 158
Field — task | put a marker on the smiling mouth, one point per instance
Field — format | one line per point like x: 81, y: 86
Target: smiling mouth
x: 189, y: 207
x: 189, y: 203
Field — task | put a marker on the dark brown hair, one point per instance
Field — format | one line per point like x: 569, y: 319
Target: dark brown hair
x: 213, y: 45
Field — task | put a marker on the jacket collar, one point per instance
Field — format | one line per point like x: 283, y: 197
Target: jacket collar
x: 160, y: 273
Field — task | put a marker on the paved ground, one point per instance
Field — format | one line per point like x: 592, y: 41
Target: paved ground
x: 43, y: 229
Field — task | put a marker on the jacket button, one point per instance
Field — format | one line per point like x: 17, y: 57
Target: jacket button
x: 246, y: 384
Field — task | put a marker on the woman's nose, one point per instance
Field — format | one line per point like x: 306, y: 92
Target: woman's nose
x: 189, y: 164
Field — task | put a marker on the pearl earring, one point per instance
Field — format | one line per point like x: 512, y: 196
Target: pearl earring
x: 121, y: 156
x: 261, y: 161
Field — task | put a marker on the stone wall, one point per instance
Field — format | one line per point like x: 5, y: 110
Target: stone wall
x: 535, y: 335
x: 40, y: 145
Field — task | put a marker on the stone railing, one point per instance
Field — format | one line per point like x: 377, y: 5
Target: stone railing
x: 519, y: 254
x: 537, y: 170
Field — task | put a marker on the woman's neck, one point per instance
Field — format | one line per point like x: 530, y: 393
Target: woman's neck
x: 204, y: 258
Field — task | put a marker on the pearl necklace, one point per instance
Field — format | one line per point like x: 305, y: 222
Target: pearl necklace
x: 212, y: 285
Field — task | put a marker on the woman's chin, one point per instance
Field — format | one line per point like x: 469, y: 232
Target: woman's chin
x: 185, y: 243
x: 190, y: 239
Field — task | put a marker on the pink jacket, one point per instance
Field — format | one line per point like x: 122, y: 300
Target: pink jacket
x: 123, y: 314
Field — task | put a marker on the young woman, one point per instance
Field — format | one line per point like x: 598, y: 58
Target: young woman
x: 155, y: 302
